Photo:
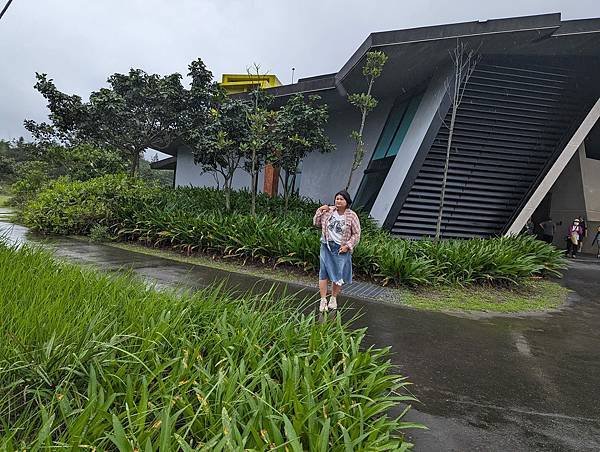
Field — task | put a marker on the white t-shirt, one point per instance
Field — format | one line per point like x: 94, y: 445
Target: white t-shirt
x: 336, y: 227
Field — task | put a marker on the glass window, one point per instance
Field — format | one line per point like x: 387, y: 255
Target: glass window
x: 389, y: 130
x: 371, y: 183
x: 395, y: 128
x: 409, y: 115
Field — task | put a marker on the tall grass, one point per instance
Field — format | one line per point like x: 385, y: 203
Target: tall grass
x: 92, y: 362
x: 192, y: 219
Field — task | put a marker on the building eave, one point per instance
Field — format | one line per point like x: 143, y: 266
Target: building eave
x: 525, y: 33
x: 165, y: 164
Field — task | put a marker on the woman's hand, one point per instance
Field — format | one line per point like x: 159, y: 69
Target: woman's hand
x: 324, y: 208
x: 344, y: 249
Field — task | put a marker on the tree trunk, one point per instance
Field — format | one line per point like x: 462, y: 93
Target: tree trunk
x: 349, y: 179
x: 360, y: 145
x: 227, y: 191
x: 253, y: 182
x: 438, y: 226
x: 286, y: 189
x: 293, y: 190
x: 135, y: 164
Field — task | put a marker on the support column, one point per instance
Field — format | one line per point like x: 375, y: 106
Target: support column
x: 271, y: 182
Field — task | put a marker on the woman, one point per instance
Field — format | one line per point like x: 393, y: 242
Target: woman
x: 573, y: 238
x: 583, y: 235
x: 340, y: 233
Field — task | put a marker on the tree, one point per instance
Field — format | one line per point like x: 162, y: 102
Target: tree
x: 7, y: 164
x: 136, y: 112
x: 464, y: 61
x: 258, y: 145
x: 79, y: 162
x: 365, y: 103
x: 15, y: 161
x: 82, y: 162
x: 299, y: 130
x: 260, y: 127
x: 34, y: 165
x: 218, y: 147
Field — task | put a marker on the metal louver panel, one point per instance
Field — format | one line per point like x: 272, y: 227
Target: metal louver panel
x: 508, y: 127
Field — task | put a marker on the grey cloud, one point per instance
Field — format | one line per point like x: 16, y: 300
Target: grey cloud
x: 80, y: 42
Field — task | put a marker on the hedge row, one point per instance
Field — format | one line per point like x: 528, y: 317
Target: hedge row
x: 195, y: 220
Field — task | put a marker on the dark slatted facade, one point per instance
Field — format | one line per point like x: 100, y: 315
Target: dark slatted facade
x: 512, y: 121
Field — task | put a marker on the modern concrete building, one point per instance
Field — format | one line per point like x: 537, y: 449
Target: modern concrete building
x: 526, y: 142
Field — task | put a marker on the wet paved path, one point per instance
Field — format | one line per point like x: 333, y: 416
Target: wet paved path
x: 486, y: 384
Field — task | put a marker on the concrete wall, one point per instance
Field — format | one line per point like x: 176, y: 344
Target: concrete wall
x: 188, y: 173
x: 322, y: 174
x: 567, y: 200
x: 590, y: 172
x: 325, y: 174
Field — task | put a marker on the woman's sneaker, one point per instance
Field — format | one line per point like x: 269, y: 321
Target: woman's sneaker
x: 323, y: 305
x: 332, y: 303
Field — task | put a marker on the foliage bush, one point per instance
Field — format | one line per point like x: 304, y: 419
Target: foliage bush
x: 105, y: 363
x: 32, y: 178
x: 74, y: 207
x: 29, y: 167
x: 99, y: 233
x: 192, y: 219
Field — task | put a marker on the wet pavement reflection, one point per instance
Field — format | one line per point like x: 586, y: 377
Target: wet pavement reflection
x: 529, y: 382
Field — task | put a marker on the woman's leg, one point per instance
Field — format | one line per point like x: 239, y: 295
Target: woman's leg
x: 571, y: 249
x: 335, y: 289
x: 323, y: 283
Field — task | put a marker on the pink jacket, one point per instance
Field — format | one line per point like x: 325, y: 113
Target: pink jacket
x: 351, y: 235
x: 576, y: 230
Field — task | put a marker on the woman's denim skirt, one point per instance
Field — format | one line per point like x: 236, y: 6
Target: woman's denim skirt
x: 335, y: 266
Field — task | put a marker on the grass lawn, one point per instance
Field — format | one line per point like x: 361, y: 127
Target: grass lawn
x: 533, y: 295
x: 103, y: 362
x: 4, y: 200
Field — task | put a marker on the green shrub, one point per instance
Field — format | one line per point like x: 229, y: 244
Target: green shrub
x: 32, y: 179
x: 73, y: 207
x: 99, y: 233
x: 194, y: 220
x: 100, y: 362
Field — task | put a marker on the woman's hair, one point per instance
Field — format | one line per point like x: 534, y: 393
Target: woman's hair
x: 344, y: 194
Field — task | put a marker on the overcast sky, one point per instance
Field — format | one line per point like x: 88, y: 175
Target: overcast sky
x: 80, y: 42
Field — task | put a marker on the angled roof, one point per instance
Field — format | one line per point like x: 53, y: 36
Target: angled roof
x: 168, y: 163
x: 414, y: 53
